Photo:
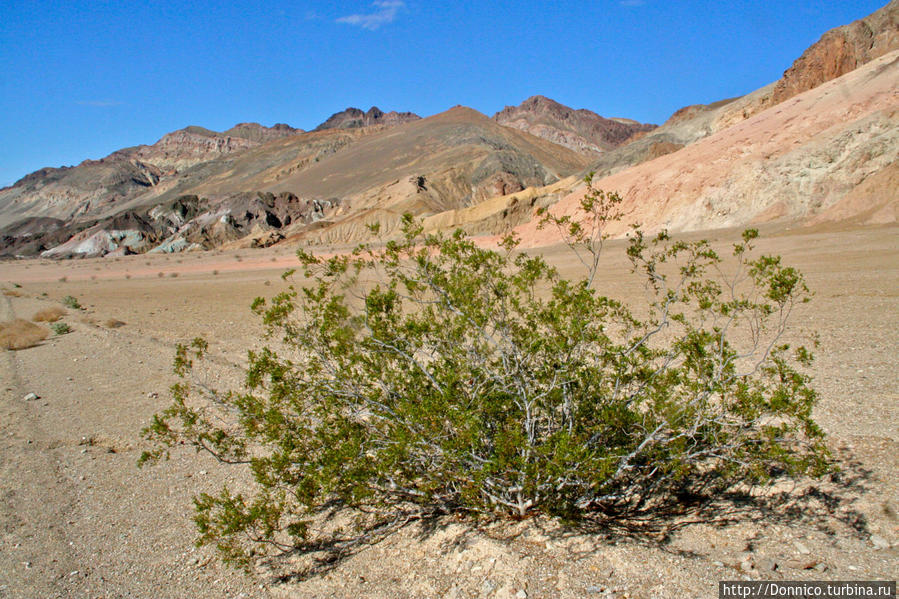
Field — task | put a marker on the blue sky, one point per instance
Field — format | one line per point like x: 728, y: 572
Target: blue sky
x: 82, y: 79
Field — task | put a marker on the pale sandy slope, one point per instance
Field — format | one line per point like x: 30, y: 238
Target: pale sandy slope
x: 827, y: 154
x: 78, y: 519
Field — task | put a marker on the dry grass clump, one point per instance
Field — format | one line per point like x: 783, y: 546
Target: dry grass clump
x: 51, y: 314
x: 21, y: 334
x: 113, y: 323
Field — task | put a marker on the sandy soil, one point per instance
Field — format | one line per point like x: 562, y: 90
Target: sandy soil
x: 79, y: 519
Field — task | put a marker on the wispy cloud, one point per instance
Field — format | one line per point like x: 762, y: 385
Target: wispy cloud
x: 385, y: 12
x: 99, y: 103
x: 632, y: 2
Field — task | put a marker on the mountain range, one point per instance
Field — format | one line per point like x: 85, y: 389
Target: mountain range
x: 818, y: 144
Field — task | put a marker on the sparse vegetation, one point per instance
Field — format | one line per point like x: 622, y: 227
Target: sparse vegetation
x: 71, y: 302
x: 21, y: 334
x: 60, y: 328
x: 113, y: 323
x: 437, y: 377
x: 51, y: 314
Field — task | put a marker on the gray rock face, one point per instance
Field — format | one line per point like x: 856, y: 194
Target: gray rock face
x: 353, y: 118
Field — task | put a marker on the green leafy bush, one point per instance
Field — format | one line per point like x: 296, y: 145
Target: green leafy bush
x: 435, y: 376
x: 70, y: 301
x: 60, y: 328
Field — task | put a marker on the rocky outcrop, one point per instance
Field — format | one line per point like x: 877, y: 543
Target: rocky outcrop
x: 260, y: 134
x: 839, y: 51
x: 353, y: 118
x: 580, y: 130
x: 188, y: 222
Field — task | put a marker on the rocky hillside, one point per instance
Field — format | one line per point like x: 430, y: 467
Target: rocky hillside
x: 98, y: 185
x: 796, y: 149
x: 580, y: 130
x: 830, y: 153
x: 353, y: 118
x: 839, y: 51
x: 339, y: 178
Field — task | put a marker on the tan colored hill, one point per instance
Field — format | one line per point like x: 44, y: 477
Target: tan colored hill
x: 580, y: 130
x: 828, y: 153
x: 340, y: 178
x: 95, y: 186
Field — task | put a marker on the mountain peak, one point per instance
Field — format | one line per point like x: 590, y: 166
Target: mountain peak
x: 580, y: 130
x: 353, y: 118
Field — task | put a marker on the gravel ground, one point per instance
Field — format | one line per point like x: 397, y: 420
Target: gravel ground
x: 79, y: 519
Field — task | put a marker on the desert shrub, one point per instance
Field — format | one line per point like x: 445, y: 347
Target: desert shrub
x: 71, y: 302
x: 113, y: 323
x: 61, y: 328
x: 435, y: 376
x: 21, y: 334
x: 51, y: 314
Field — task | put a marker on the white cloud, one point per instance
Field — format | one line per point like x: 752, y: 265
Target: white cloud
x: 386, y: 11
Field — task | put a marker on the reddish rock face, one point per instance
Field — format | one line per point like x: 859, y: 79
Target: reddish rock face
x: 840, y: 51
x: 580, y: 130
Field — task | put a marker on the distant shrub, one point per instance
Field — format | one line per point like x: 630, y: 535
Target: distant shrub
x: 434, y: 376
x: 21, y: 334
x: 71, y: 302
x: 51, y: 314
x: 113, y: 323
x: 60, y: 328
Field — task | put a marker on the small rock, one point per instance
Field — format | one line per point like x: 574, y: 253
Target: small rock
x: 596, y: 589
x: 718, y: 563
x: 803, y: 564
x: 879, y: 542
x: 152, y: 395
x: 521, y: 594
x: 32, y: 396
x: 746, y: 564
x: 801, y: 548
x: 767, y: 565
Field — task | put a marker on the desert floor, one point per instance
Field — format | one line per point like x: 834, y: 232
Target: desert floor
x: 79, y: 519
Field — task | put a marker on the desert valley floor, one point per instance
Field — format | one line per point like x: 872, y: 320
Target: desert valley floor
x: 79, y: 519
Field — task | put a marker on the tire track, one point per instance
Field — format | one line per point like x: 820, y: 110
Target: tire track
x: 35, y: 552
